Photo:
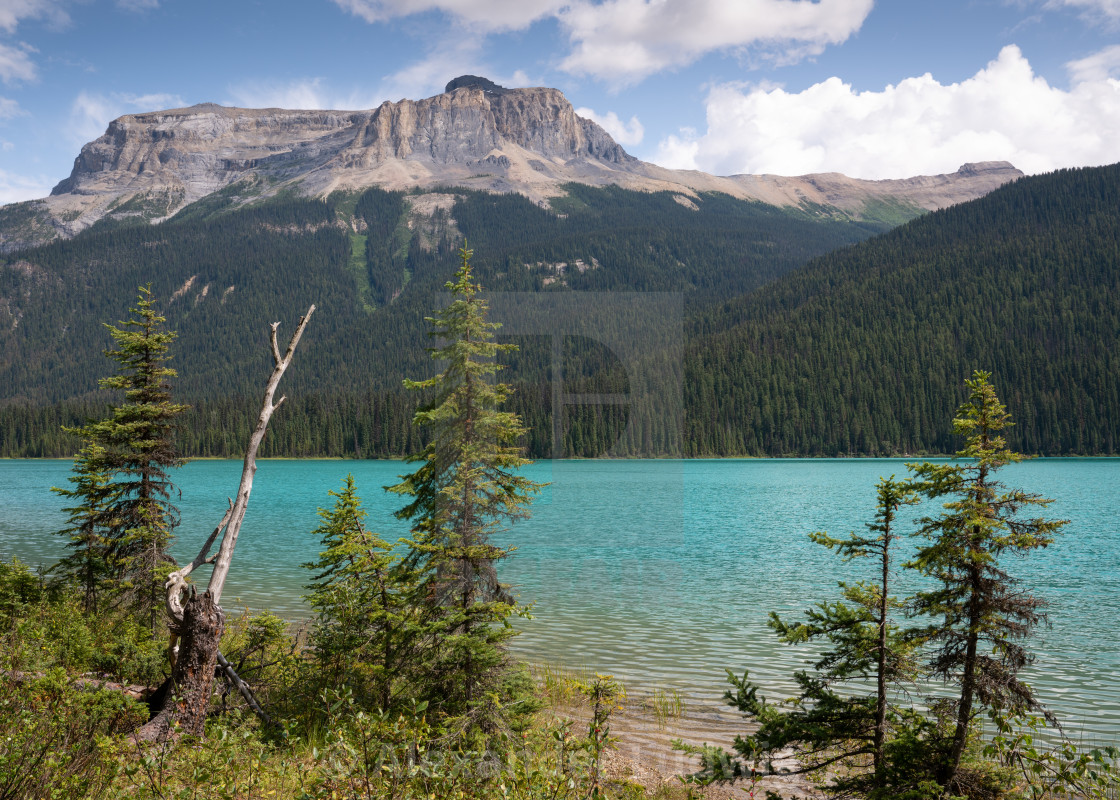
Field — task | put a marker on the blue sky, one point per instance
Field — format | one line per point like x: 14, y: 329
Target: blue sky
x: 870, y: 88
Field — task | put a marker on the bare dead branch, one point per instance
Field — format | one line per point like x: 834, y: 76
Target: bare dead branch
x: 243, y: 688
x: 225, y: 553
x: 275, y: 346
x: 176, y: 582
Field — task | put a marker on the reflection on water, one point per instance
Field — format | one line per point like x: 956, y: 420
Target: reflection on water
x: 661, y: 572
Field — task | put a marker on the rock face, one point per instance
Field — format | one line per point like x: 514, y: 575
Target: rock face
x: 476, y: 134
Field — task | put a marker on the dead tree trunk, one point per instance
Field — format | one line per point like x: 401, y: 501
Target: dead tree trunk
x: 200, y: 631
x: 196, y: 621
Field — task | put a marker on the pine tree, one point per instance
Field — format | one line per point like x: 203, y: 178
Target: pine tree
x: 129, y: 517
x: 92, y: 489
x: 831, y: 725
x: 982, y: 615
x: 465, y: 491
x: 366, y: 633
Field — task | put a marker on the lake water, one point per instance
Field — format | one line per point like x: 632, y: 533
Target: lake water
x: 660, y: 572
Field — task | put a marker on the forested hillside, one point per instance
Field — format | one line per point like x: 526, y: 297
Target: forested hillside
x: 860, y: 351
x: 863, y: 350
x: 374, y: 264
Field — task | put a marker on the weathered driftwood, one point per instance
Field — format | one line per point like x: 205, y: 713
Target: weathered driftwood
x: 196, y: 620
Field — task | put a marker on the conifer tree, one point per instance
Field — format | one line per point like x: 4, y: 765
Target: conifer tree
x: 982, y: 614
x: 129, y: 517
x: 92, y: 489
x: 366, y: 631
x: 466, y: 489
x: 830, y: 724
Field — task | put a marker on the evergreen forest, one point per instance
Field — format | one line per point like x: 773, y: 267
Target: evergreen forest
x: 785, y: 332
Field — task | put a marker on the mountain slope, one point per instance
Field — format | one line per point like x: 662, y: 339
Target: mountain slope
x: 865, y: 350
x: 475, y: 135
x: 862, y: 351
x: 375, y: 264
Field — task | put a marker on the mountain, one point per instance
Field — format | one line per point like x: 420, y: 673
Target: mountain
x: 476, y: 135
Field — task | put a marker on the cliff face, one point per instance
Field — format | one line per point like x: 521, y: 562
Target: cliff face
x: 476, y: 134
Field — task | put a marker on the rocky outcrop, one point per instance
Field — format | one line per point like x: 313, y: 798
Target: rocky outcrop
x: 476, y: 134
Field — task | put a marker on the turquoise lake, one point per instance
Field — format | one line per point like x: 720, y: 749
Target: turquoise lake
x: 661, y: 572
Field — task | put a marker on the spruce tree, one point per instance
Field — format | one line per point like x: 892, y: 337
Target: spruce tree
x: 86, y: 564
x: 466, y: 490
x: 982, y: 614
x: 366, y: 632
x: 128, y: 518
x: 831, y: 724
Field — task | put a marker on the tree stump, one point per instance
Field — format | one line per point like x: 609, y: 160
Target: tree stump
x: 192, y: 679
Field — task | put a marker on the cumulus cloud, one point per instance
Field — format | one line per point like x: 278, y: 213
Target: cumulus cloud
x: 920, y: 126
x: 623, y: 41
x: 455, y: 55
x: 16, y: 64
x: 446, y: 58
x: 15, y: 188
x: 625, y: 133
x: 420, y: 79
x: 91, y: 112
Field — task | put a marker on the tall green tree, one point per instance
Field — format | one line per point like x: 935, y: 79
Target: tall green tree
x: 127, y: 515
x: 982, y: 613
x: 466, y: 490
x: 92, y: 489
x: 366, y: 632
x: 831, y: 724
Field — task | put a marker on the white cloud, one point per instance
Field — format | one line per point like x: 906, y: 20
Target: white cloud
x: 623, y: 41
x: 920, y: 126
x: 1097, y: 67
x: 1106, y: 9
x: 14, y: 188
x: 488, y: 15
x: 420, y: 79
x: 16, y: 64
x: 625, y: 133
x: 430, y: 75
x: 447, y: 57
x: 10, y: 108
x: 12, y: 12
x: 91, y: 113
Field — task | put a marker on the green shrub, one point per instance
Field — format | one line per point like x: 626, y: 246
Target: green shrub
x: 55, y: 738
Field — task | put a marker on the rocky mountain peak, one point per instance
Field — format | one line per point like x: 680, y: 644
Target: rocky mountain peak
x: 474, y: 82
x: 475, y: 134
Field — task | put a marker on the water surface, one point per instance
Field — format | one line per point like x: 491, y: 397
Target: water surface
x: 661, y: 572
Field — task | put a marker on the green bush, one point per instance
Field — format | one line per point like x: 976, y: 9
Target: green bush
x: 55, y: 739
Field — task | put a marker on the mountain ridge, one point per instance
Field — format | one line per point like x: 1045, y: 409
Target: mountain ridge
x: 475, y: 135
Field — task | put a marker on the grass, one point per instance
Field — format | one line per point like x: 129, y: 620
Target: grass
x: 665, y: 705
x: 564, y: 688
